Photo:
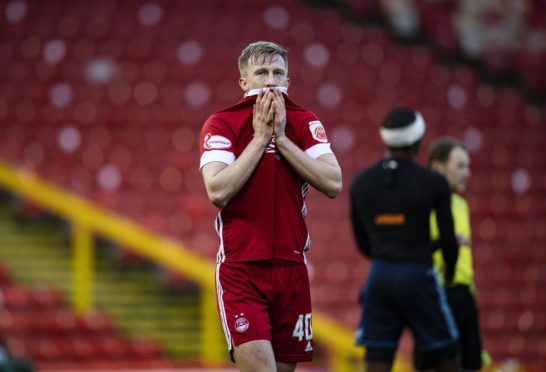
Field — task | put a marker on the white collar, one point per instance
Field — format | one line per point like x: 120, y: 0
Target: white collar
x: 254, y: 92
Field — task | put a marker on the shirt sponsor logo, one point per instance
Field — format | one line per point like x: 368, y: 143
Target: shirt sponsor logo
x: 216, y: 142
x: 241, y: 325
x: 317, y: 131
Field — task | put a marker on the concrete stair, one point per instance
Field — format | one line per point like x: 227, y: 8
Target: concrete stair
x: 39, y: 253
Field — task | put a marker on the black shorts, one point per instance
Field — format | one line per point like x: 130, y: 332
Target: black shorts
x: 403, y: 295
x: 464, y: 310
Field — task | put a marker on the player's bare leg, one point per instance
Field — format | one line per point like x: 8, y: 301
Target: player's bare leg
x: 286, y: 367
x: 255, y: 356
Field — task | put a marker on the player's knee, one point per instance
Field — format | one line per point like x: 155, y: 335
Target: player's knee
x: 255, y: 356
x: 286, y: 367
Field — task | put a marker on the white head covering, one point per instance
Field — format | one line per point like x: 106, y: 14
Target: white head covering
x: 404, y: 135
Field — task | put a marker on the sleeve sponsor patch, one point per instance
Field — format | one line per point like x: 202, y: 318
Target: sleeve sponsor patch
x: 317, y: 131
x: 215, y: 142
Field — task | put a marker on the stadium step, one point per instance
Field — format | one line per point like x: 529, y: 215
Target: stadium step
x: 38, y: 253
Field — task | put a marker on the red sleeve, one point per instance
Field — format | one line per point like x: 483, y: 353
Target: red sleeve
x: 216, y: 142
x: 313, y: 137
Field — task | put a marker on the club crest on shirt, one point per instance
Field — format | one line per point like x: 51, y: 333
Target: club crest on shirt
x: 317, y: 131
x: 241, y: 325
x: 215, y: 142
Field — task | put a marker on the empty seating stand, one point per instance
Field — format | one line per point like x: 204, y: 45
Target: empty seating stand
x: 36, y: 324
x: 106, y: 99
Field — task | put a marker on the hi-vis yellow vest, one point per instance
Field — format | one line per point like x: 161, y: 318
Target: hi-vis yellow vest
x: 464, y: 272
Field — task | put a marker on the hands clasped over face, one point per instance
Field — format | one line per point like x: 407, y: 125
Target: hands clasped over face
x: 269, y: 116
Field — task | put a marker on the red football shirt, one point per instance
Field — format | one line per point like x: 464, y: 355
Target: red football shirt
x: 266, y: 219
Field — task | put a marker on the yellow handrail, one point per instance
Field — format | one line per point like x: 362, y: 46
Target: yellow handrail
x: 338, y: 339
x: 88, y: 218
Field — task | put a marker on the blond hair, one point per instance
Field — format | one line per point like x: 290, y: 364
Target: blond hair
x: 259, y: 52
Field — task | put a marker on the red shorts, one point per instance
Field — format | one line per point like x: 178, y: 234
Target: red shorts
x: 267, y: 300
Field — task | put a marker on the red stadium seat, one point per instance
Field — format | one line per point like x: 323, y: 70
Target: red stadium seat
x: 142, y: 127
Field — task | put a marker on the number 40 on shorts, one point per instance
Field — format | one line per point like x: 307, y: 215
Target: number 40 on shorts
x: 303, y: 327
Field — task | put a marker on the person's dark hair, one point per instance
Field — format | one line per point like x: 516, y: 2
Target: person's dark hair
x: 441, y: 148
x: 398, y: 118
x: 259, y: 52
x: 401, y: 118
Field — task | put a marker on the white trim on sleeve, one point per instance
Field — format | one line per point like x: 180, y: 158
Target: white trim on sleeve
x: 216, y: 155
x: 318, y: 150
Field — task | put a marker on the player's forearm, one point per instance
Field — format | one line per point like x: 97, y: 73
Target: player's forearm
x: 322, y: 175
x: 224, y: 185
